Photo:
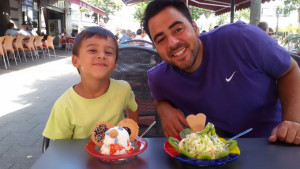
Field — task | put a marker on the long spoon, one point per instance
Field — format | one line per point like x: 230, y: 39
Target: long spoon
x: 242, y: 133
x: 146, y: 131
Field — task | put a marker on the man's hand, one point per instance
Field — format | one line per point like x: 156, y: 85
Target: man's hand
x: 286, y: 131
x: 170, y: 118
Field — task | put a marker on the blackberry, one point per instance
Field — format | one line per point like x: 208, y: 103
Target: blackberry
x: 128, y: 130
x: 99, y: 132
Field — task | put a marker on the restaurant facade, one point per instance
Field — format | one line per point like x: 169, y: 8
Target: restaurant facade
x: 43, y: 16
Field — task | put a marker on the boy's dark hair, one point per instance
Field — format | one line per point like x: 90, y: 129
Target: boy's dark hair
x: 156, y: 6
x: 90, y: 32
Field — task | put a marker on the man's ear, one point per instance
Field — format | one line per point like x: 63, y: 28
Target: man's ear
x: 196, y: 28
x: 75, y: 61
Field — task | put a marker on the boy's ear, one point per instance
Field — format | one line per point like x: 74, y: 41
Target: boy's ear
x: 75, y: 61
x: 115, y: 66
x: 196, y: 28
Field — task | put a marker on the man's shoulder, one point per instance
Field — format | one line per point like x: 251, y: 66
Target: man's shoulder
x: 158, y: 69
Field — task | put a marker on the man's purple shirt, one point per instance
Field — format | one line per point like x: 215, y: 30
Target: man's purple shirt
x: 235, y: 85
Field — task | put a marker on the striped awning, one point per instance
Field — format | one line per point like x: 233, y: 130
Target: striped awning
x: 218, y: 6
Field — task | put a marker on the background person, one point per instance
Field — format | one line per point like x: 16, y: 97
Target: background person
x: 11, y: 29
x: 238, y: 76
x: 96, y: 97
x: 23, y: 31
x: 126, y: 35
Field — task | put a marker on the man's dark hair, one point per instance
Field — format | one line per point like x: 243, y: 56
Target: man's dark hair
x: 156, y: 6
x: 90, y: 32
x: 263, y: 25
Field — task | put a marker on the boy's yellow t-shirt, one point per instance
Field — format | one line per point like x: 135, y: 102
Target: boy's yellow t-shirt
x: 73, y: 117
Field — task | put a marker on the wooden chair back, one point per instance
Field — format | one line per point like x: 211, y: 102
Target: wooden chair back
x: 38, y: 42
x: 8, y: 44
x: 30, y: 43
x: 49, y: 42
x: 18, y: 45
x: 1, y: 48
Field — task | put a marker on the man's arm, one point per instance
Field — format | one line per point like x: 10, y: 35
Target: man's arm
x: 289, y: 92
x: 170, y: 118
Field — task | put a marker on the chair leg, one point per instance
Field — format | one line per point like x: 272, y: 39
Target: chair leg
x: 54, y: 52
x: 31, y: 55
x: 15, y: 58
x: 3, y: 56
x: 36, y: 53
x: 24, y: 55
x: 43, y: 52
x: 19, y: 56
x: 48, y: 53
x: 8, y: 64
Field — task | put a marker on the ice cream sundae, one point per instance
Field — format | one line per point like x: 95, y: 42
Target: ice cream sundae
x: 115, y: 140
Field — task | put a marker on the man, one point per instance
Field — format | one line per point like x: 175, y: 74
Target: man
x: 233, y: 74
x: 23, y: 31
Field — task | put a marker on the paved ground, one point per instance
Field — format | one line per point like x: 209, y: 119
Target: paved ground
x: 27, y: 94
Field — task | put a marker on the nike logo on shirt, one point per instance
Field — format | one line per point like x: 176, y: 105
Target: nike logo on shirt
x: 229, y: 79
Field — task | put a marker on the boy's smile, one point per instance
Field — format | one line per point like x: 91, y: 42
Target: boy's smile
x: 97, y: 57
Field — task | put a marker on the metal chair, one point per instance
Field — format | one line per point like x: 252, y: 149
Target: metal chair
x: 39, y: 45
x: 45, y: 145
x: 18, y: 45
x: 48, y: 44
x: 4, y: 56
x: 133, y: 64
x: 8, y: 47
x: 139, y: 42
x: 28, y: 45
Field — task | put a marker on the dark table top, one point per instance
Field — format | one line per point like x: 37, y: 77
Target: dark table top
x: 256, y: 153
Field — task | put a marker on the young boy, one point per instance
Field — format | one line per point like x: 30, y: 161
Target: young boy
x: 97, y: 97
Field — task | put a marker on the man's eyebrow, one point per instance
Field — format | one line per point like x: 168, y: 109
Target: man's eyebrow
x: 170, y: 27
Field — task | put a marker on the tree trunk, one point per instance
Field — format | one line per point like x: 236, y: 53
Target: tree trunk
x: 255, y: 12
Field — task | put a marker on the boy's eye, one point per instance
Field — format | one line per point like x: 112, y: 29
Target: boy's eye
x: 92, y: 50
x: 109, y: 53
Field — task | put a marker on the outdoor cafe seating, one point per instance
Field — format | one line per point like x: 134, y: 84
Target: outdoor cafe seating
x: 18, y: 45
x: 11, y: 44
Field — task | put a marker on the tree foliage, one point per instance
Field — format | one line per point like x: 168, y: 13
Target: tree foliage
x: 108, y: 6
x: 197, y: 12
x: 139, y: 11
x: 292, y: 5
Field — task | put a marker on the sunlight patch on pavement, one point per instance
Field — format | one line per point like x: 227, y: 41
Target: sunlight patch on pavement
x: 21, y: 84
